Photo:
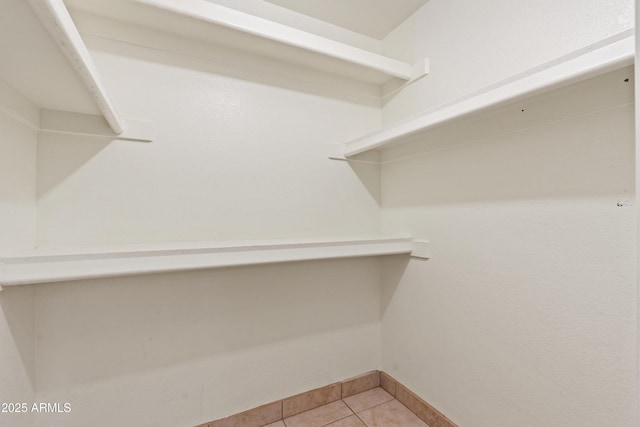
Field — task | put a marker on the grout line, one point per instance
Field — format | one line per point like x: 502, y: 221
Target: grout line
x: 361, y: 420
x: 340, y: 419
x: 441, y: 417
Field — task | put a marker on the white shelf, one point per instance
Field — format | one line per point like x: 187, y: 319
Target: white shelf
x: 41, y: 45
x: 54, y: 266
x: 286, y: 43
x: 610, y: 54
x: 55, y: 17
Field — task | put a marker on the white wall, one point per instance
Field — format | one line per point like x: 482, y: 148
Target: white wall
x: 17, y: 371
x: 525, y: 315
x: 472, y: 44
x: 17, y: 216
x: 637, y: 182
x: 182, y: 349
x: 240, y: 153
x: 17, y: 184
x: 222, y: 130
x: 285, y: 16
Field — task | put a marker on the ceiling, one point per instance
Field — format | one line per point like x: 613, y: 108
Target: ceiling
x: 373, y: 18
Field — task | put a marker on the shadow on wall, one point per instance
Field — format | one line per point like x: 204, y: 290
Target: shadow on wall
x: 393, y: 268
x: 533, y: 277
x: 17, y: 316
x: 70, y: 153
x: 218, y: 60
x: 109, y: 328
x: 586, y: 156
x: 367, y: 168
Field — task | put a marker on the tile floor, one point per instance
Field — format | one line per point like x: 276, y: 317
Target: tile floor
x: 372, y: 408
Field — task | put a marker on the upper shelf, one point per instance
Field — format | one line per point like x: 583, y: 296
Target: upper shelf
x: 32, y: 60
x: 41, y: 45
x: 55, y: 17
x: 280, y: 34
x: 54, y: 266
x: 213, y: 23
x: 608, y: 55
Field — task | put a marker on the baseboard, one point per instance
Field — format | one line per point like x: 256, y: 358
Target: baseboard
x: 415, y: 403
x: 284, y: 408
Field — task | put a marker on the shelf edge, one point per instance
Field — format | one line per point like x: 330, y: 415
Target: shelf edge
x: 55, y: 121
x: 219, y: 15
x: 56, y: 19
x: 34, y: 268
x: 615, y: 54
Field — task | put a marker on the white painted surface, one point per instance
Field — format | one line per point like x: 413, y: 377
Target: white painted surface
x: 239, y: 154
x: 55, y: 266
x: 221, y: 132
x: 217, y: 15
x: 17, y: 353
x: 526, y: 313
x: 182, y: 349
x: 183, y: 45
x: 89, y: 125
x: 131, y: 12
x: 37, y: 76
x: 56, y: 19
x: 605, y: 56
x: 472, y: 45
x: 372, y: 18
x: 32, y: 61
x: 421, y: 249
x: 18, y: 219
x: 601, y: 93
x: 17, y: 185
x: 18, y: 107
x: 256, y: 28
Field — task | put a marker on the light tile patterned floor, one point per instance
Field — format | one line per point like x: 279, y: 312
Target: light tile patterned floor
x: 372, y: 408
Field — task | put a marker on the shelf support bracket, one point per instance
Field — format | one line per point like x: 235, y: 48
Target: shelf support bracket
x: 55, y: 121
x: 419, y: 70
x: 54, y: 16
x: 421, y: 249
x: 336, y: 152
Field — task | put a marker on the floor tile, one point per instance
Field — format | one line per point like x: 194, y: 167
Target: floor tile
x: 321, y: 416
x: 360, y: 383
x: 311, y: 399
x: 256, y: 417
x: 367, y: 399
x: 352, y: 421
x: 276, y: 424
x: 391, y: 414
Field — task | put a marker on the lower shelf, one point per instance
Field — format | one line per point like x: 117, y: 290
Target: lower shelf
x: 54, y: 266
